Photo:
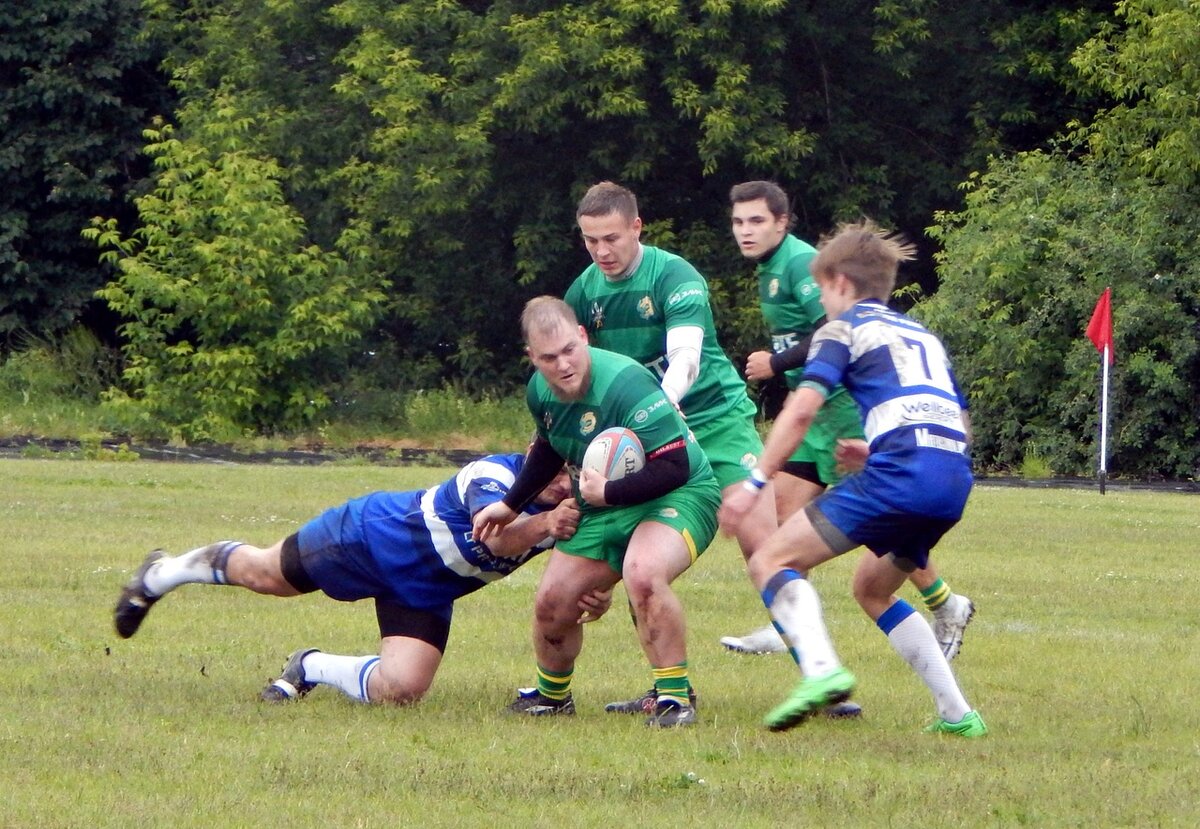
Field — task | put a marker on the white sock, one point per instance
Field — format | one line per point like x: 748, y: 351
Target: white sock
x: 349, y: 674
x: 912, y: 637
x: 796, y: 609
x: 203, y: 565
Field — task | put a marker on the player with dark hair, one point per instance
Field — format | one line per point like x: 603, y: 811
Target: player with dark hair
x: 791, y: 305
x: 911, y: 491
x: 411, y: 552
x: 645, y: 528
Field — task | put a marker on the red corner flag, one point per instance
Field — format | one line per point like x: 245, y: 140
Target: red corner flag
x: 1099, y: 330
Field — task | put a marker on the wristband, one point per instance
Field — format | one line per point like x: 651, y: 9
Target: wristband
x: 756, y: 481
x: 751, y: 487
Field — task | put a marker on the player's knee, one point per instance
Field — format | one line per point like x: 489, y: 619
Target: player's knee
x: 399, y: 690
x: 641, y: 585
x: 552, y: 607
x: 871, y: 597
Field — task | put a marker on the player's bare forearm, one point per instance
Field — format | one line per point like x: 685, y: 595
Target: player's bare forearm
x: 527, y: 531
x: 790, y: 428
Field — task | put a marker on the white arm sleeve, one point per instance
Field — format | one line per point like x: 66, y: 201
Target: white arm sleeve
x: 683, y: 360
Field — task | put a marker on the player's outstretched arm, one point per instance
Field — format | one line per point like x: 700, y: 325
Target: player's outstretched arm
x: 527, y: 531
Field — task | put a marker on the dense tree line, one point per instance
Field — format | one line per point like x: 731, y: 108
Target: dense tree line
x: 341, y: 197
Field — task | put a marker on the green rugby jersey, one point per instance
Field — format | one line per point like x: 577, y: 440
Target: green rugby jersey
x: 621, y: 393
x: 632, y: 316
x: 790, y: 299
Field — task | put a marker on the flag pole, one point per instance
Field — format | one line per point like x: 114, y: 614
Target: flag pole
x: 1099, y: 331
x: 1104, y: 420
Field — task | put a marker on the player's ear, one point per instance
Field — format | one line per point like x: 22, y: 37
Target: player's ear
x: 583, y: 334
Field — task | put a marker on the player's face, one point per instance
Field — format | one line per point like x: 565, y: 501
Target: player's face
x: 837, y: 294
x: 562, y: 357
x: 555, y: 491
x: 756, y: 229
x: 612, y: 241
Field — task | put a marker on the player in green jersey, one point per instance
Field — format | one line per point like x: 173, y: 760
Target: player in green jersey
x: 645, y: 529
x: 791, y: 305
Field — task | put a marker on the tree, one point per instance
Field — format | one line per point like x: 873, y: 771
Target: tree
x: 440, y: 147
x: 1043, y: 233
x: 80, y: 83
x: 1150, y: 66
x: 232, y: 314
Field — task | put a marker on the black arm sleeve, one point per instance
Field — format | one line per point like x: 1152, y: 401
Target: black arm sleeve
x: 795, y: 356
x: 661, y: 474
x: 541, y: 465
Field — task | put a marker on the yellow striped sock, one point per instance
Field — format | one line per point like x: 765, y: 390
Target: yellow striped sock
x: 553, y: 685
x: 671, y: 683
x: 935, y: 595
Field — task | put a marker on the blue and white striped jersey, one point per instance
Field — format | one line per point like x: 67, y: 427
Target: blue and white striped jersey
x: 910, y: 402
x: 421, y: 541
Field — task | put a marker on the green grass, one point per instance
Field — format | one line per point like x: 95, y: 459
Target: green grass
x: 1082, y: 659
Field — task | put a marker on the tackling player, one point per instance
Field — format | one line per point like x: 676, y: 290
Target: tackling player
x: 411, y: 552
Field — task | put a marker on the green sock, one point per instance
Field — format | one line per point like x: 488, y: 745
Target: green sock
x: 553, y: 685
x: 935, y: 595
x: 671, y: 683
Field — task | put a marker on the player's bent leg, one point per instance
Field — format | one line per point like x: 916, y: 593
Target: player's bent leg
x: 557, y: 637
x: 656, y: 555
x: 875, y: 581
x: 791, y: 492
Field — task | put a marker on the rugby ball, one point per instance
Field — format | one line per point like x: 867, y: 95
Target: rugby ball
x: 615, y: 453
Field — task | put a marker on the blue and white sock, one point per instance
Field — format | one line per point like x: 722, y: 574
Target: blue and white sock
x: 204, y: 565
x: 912, y: 637
x: 796, y: 611
x: 349, y: 674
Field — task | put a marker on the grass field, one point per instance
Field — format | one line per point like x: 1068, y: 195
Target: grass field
x: 1084, y: 659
